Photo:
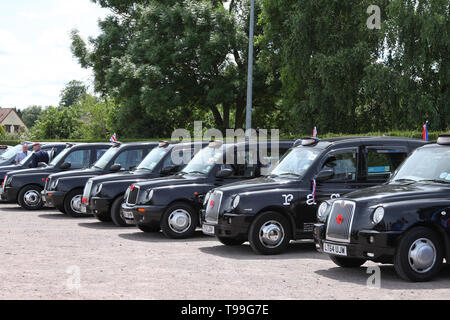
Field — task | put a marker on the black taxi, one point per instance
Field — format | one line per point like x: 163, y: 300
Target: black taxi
x: 173, y: 203
x: 64, y: 190
x: 405, y: 222
x: 25, y: 186
x: 271, y: 211
x: 103, y: 195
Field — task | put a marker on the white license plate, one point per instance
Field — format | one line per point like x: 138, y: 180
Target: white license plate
x: 335, y: 249
x: 127, y: 214
x: 207, y: 229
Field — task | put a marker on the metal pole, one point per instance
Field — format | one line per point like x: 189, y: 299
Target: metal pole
x: 248, y: 124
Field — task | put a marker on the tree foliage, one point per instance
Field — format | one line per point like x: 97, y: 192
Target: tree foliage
x: 72, y: 93
x: 31, y: 114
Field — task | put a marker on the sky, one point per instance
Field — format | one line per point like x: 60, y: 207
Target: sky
x: 35, y: 57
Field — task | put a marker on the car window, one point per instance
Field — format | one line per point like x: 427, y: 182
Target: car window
x: 344, y: 164
x: 99, y: 153
x: 382, y: 162
x: 130, y: 158
x: 79, y: 159
x: 178, y: 157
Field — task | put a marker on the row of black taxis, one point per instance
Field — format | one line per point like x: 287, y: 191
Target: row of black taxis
x: 383, y: 199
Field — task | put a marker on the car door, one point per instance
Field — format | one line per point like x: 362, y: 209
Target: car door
x: 130, y: 158
x: 244, y: 166
x: 79, y: 159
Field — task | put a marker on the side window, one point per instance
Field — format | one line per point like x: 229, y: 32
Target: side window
x: 245, y: 164
x: 183, y: 155
x: 381, y: 163
x: 79, y: 159
x: 130, y: 158
x: 99, y: 153
x: 344, y: 164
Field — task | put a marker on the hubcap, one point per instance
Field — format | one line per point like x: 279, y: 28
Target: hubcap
x: 180, y: 221
x: 271, y: 234
x: 422, y: 255
x: 75, y: 203
x: 32, y: 198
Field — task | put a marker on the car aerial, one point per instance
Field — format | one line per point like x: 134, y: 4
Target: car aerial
x: 53, y: 149
x: 24, y: 186
x: 405, y: 222
x: 271, y: 211
x: 103, y: 196
x: 64, y: 190
x: 172, y: 203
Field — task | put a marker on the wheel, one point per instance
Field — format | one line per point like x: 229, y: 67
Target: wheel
x: 347, y: 262
x: 179, y: 221
x: 116, y: 213
x: 72, y: 203
x: 149, y: 229
x: 61, y: 209
x: 269, y: 233
x: 231, y: 241
x: 30, y: 198
x: 419, y: 255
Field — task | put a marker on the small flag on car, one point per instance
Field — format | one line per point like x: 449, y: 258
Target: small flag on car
x: 425, y: 131
x: 315, y: 132
x: 113, y: 138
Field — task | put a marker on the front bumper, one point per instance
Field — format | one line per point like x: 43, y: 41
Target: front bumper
x: 98, y: 205
x: 366, y: 244
x: 230, y: 225
x: 10, y: 194
x: 143, y: 215
x: 53, y: 198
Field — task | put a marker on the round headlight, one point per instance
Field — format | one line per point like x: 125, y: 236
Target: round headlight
x: 205, y: 201
x: 378, y: 215
x: 149, y: 195
x: 322, y: 212
x: 99, y: 188
x: 236, y: 201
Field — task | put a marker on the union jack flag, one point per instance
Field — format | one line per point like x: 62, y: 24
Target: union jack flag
x: 314, y: 187
x: 113, y: 138
x: 425, y: 131
x: 315, y: 132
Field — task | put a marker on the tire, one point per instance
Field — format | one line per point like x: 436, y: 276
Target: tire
x: 116, y: 213
x: 103, y: 217
x: 347, y: 262
x: 279, y: 226
x: 231, y: 242
x: 186, y: 214
x: 72, y: 203
x: 61, y: 209
x: 149, y: 229
x: 431, y: 250
x: 30, y: 198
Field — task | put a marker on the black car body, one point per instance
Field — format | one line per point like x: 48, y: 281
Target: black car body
x: 103, y: 196
x: 173, y: 203
x: 25, y: 186
x: 272, y: 210
x: 64, y: 190
x: 405, y: 221
x: 53, y: 149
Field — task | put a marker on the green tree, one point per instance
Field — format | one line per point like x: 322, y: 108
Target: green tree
x: 58, y: 123
x: 72, y: 92
x: 31, y: 114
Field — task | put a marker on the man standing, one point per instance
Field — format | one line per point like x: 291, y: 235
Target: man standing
x: 22, y: 155
x: 38, y: 156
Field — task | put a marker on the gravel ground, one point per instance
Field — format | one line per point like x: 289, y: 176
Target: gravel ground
x: 46, y: 255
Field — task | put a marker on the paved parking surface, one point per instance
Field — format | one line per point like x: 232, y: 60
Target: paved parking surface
x: 46, y: 255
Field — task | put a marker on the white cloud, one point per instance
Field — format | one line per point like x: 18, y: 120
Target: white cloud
x: 35, y: 57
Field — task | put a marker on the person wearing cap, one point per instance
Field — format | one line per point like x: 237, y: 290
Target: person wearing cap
x: 22, y: 155
x: 38, y: 156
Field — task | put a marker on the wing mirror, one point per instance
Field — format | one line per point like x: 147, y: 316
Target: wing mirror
x: 224, y: 173
x: 325, y: 174
x: 64, y: 166
x: 170, y: 169
x: 115, y: 167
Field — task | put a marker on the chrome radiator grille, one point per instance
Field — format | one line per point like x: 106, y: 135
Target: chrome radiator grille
x: 340, y: 221
x: 213, y: 207
x: 133, y: 196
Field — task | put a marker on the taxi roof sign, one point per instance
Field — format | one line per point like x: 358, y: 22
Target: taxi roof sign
x: 444, y: 139
x: 163, y: 144
x: 215, y: 144
x: 310, y: 141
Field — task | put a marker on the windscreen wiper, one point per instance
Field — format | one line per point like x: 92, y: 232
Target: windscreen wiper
x: 435, y: 180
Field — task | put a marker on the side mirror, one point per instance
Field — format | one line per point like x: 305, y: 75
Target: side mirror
x: 64, y: 166
x: 325, y: 174
x: 224, y: 173
x: 170, y: 169
x: 115, y: 167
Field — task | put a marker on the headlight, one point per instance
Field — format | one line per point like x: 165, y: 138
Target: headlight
x: 205, y: 201
x: 54, y: 184
x: 236, y: 201
x: 149, y: 195
x: 322, y: 212
x: 99, y: 188
x: 378, y: 215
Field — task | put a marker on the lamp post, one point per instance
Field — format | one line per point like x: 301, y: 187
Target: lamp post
x: 248, y: 124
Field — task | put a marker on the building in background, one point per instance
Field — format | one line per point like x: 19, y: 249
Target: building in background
x: 11, y: 121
